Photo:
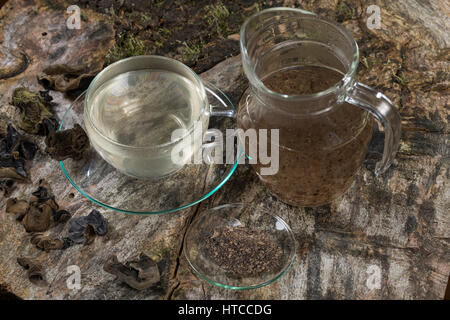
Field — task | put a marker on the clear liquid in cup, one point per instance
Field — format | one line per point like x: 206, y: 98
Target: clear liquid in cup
x: 142, y: 109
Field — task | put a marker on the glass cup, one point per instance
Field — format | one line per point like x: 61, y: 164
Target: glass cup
x: 143, y: 111
x: 302, y: 75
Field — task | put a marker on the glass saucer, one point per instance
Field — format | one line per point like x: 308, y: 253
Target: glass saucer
x: 104, y: 185
x: 253, y: 219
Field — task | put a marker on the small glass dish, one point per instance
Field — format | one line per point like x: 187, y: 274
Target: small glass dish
x: 251, y: 217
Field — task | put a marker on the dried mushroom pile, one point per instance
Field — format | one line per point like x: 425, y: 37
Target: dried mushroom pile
x: 35, y: 118
x: 44, y: 53
x: 40, y: 212
x: 15, y: 150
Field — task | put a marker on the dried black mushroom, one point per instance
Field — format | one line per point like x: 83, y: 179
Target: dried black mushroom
x: 12, y: 169
x: 61, y: 216
x: 139, y: 274
x: 17, y: 62
x: 14, y: 143
x: 43, y: 209
x: 83, y: 228
x: 35, y: 271
x: 40, y: 212
x: 67, y: 242
x: 38, y: 218
x: 34, y: 109
x: 89, y: 235
x: 14, y: 150
x: 49, y: 125
x: 45, y: 94
x: 7, y: 186
x: 63, y: 77
x: 44, y: 195
x: 17, y: 207
x: 46, y: 243
x: 70, y: 143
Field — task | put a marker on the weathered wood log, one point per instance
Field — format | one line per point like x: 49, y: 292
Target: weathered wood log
x: 397, y: 224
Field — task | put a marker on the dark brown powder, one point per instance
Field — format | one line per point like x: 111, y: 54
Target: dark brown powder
x: 242, y: 251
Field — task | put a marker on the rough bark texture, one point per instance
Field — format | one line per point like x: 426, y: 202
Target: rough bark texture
x: 398, y: 222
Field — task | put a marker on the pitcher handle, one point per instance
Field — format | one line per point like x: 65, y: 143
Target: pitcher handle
x: 384, y: 111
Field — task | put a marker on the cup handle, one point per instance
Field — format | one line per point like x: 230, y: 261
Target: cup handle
x: 225, y: 108
x: 384, y: 111
x: 221, y: 106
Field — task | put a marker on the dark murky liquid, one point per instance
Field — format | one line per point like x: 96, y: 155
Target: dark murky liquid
x: 319, y: 155
x: 303, y: 80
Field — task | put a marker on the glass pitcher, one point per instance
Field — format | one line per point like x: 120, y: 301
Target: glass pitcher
x: 302, y: 80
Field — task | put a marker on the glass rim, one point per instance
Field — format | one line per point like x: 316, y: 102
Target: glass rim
x: 282, y: 272
x: 148, y: 213
x: 255, y: 80
x: 200, y: 85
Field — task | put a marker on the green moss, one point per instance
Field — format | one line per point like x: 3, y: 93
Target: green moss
x: 159, y: 3
x: 136, y: 15
x: 111, y: 14
x: 399, y: 79
x: 145, y: 18
x: 83, y: 16
x: 55, y: 5
x: 368, y: 62
x: 162, y: 35
x: 345, y: 12
x: 191, y: 53
x: 217, y: 16
x: 126, y: 46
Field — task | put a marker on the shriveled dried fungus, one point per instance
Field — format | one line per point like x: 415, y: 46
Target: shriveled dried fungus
x: 7, y: 186
x: 71, y: 143
x: 17, y: 62
x: 14, y: 151
x: 46, y: 243
x: 61, y: 216
x: 15, y: 144
x: 34, y: 109
x: 63, y: 77
x: 83, y: 229
x: 35, y: 272
x: 139, y: 274
x: 40, y: 212
x: 17, y: 207
x: 38, y: 218
x: 44, y: 195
